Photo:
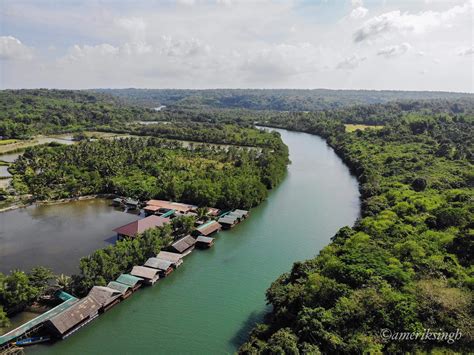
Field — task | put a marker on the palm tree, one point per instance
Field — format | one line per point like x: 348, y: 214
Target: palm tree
x: 63, y: 282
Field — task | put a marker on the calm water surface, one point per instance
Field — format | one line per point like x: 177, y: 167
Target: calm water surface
x: 210, y: 303
x: 57, y: 236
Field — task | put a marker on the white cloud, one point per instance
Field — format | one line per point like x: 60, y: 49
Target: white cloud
x: 351, y: 62
x: 11, y: 48
x: 235, y: 43
x: 404, y: 22
x: 466, y: 51
x: 186, y: 2
x: 359, y: 12
x: 395, y: 50
x: 135, y: 27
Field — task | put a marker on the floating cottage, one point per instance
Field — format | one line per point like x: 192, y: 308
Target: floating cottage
x: 131, y: 281
x: 165, y: 267
x: 146, y: 273
x: 106, y: 296
x: 203, y: 242
x: 125, y: 290
x: 183, y: 246
x: 73, y: 318
x: 175, y: 258
x: 208, y: 228
x: 132, y: 229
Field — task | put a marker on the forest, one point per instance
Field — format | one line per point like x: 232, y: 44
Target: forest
x: 406, y: 265
x: 24, y: 113
x: 271, y: 99
x: 147, y: 168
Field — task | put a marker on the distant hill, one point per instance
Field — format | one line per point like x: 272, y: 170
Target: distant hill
x: 274, y: 99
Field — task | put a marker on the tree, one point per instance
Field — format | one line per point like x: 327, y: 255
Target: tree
x: 40, y: 277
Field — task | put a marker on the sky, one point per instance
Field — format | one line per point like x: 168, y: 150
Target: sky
x: 198, y: 44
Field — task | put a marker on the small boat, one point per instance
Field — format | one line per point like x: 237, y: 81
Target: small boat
x: 32, y: 340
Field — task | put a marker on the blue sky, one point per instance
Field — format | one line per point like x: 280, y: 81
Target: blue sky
x: 353, y: 44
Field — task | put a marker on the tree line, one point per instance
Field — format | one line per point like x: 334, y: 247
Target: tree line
x: 406, y: 265
x: 147, y: 168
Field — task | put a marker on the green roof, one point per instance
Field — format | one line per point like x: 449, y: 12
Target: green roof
x: 36, y: 321
x: 120, y: 287
x: 128, y: 279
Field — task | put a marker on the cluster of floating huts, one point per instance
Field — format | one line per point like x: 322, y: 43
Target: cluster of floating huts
x: 73, y: 314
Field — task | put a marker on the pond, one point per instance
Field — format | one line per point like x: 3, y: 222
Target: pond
x: 57, y: 236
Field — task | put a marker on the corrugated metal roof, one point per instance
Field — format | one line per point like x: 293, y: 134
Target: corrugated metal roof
x: 203, y: 239
x: 120, y: 287
x: 140, y: 226
x: 182, y: 207
x: 166, y: 255
x: 104, y: 295
x: 160, y: 264
x: 36, y: 321
x: 228, y: 220
x: 128, y: 279
x: 69, y: 318
x: 144, y: 272
x: 184, y: 243
x: 209, y: 228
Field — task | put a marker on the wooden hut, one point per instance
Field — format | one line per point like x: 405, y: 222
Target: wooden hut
x: 165, y: 267
x: 148, y: 274
x: 242, y: 214
x: 130, y: 280
x: 183, y: 246
x: 132, y: 204
x: 208, y: 228
x: 117, y: 202
x: 175, y: 258
x: 228, y: 222
x: 106, y: 296
x: 79, y: 314
x: 132, y: 229
x: 124, y: 290
x: 203, y: 242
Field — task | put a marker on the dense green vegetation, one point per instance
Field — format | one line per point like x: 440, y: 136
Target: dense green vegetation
x: 20, y: 289
x: 405, y: 266
x: 203, y: 132
x: 152, y: 168
x: 280, y: 100
x: 107, y: 264
x: 24, y: 113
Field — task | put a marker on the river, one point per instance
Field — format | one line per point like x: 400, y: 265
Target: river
x: 209, y: 304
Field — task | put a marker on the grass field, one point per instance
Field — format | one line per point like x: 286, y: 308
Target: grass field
x: 355, y: 127
x: 7, y: 141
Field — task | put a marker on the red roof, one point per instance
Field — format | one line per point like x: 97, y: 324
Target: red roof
x: 137, y: 227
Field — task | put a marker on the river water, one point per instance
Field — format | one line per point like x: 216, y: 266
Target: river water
x: 209, y: 304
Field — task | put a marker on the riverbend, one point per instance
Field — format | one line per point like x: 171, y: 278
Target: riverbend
x: 210, y: 303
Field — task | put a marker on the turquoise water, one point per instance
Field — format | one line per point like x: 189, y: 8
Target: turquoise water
x: 209, y: 304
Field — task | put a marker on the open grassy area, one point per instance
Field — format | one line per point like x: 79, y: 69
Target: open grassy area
x: 355, y: 127
x: 7, y: 141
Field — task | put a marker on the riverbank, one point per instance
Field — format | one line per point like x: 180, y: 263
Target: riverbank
x: 228, y: 282
x: 57, y: 202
